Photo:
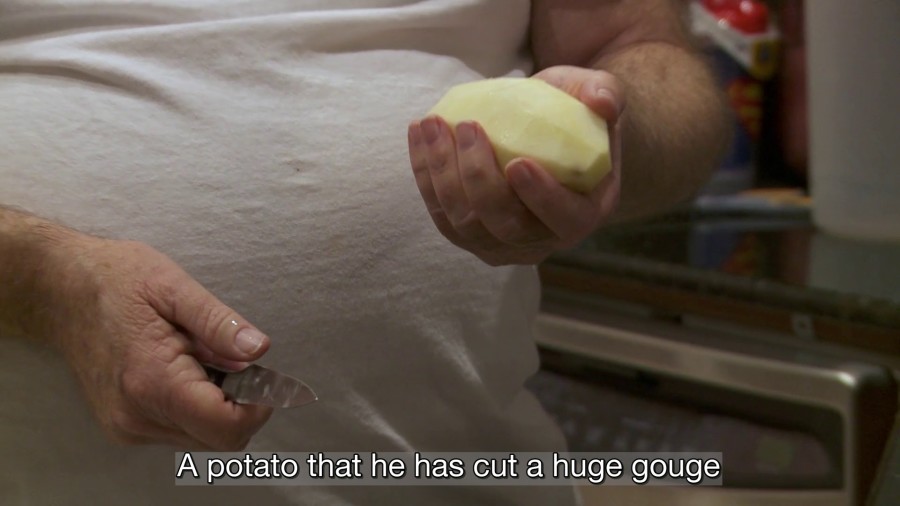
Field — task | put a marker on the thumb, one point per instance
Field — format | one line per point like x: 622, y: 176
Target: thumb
x: 600, y: 90
x: 216, y: 326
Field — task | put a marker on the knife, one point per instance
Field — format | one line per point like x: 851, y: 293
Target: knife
x: 259, y: 385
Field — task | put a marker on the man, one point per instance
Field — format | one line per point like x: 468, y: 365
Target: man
x: 157, y: 154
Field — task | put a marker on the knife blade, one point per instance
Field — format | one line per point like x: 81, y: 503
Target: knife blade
x: 260, y: 385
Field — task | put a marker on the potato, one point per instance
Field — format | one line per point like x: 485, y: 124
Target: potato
x: 533, y: 119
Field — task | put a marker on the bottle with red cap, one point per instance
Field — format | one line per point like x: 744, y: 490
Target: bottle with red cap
x: 748, y: 16
x: 741, y: 47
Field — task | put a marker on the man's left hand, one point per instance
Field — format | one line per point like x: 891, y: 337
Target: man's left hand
x: 520, y: 215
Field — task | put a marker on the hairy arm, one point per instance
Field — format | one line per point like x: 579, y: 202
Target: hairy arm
x: 132, y: 325
x: 630, y: 62
x: 27, y: 244
x: 674, y: 128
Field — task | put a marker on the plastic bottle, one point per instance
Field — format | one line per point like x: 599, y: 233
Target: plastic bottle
x: 854, y: 98
x: 740, y: 36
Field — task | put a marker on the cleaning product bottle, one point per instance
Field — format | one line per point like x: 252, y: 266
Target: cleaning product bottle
x: 742, y: 45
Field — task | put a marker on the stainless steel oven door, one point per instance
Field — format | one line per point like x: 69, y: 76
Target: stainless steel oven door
x: 795, y: 428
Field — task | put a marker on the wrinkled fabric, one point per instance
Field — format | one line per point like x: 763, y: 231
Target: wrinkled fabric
x: 262, y: 145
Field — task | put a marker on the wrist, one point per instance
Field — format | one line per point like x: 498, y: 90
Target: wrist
x: 35, y: 273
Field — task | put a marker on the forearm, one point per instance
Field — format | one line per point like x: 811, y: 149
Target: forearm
x: 28, y: 271
x: 674, y: 128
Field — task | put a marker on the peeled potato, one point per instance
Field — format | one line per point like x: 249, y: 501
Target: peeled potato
x: 533, y: 119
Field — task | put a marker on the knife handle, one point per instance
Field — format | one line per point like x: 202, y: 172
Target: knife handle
x: 215, y: 375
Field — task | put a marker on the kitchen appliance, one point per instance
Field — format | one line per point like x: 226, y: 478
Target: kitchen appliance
x: 687, y: 336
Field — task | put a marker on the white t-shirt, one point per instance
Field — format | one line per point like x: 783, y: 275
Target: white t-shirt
x: 262, y: 145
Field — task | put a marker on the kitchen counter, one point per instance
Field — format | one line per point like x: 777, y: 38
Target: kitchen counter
x: 757, y: 277
x: 764, y: 269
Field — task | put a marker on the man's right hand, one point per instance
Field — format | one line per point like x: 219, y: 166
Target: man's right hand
x: 133, y: 326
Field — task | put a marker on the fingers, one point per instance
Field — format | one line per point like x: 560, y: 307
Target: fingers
x: 173, y: 402
x: 130, y: 429
x: 200, y: 409
x: 442, y: 163
x: 183, y: 399
x: 166, y: 398
x: 418, y: 159
x: 459, y: 224
x: 185, y: 303
x: 605, y: 197
x: 569, y: 215
x: 605, y: 94
x: 205, y: 355
x: 524, y: 215
x: 134, y: 361
x: 599, y: 90
x: 490, y: 196
x: 188, y: 425
x: 468, y: 197
x: 180, y: 404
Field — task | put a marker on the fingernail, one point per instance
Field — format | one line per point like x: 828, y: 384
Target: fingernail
x: 521, y: 175
x: 431, y: 130
x: 465, y: 135
x: 249, y: 340
x: 604, y: 93
x: 415, y: 135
